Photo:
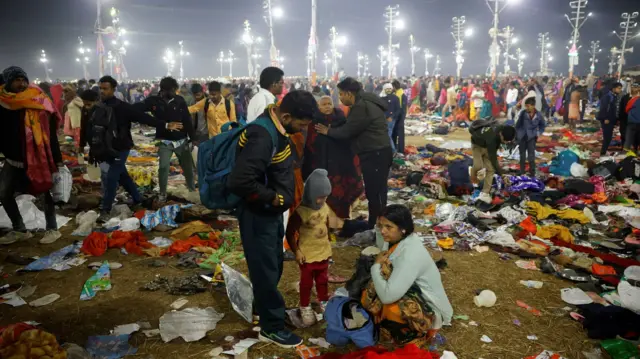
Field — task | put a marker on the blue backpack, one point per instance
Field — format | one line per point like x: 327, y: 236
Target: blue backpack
x: 216, y: 159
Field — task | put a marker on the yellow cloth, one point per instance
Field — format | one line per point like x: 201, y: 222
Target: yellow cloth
x: 400, y: 93
x: 190, y: 229
x: 446, y: 243
x: 314, y: 235
x: 216, y: 114
x: 557, y: 231
x: 544, y: 212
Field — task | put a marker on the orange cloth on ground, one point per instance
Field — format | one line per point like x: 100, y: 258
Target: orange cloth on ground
x: 185, y: 245
x: 96, y: 243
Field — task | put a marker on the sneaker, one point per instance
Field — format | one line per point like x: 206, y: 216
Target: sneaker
x: 14, y: 236
x: 104, y: 217
x: 162, y: 198
x: 282, y: 338
x: 485, y: 197
x: 308, y: 316
x: 50, y: 236
x: 323, y: 306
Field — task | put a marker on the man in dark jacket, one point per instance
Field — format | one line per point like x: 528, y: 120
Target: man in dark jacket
x: 397, y: 136
x: 169, y: 107
x: 263, y: 177
x: 393, y: 110
x: 609, y: 114
x: 114, y: 171
x: 20, y: 149
x: 367, y: 130
x: 486, y: 138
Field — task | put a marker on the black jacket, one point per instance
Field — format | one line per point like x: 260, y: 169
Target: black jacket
x: 366, y: 125
x: 125, y: 115
x: 174, y: 110
x: 260, y: 175
x: 486, y: 134
x: 12, y: 136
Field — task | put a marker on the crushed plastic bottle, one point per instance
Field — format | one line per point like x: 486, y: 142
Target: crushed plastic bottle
x: 532, y: 284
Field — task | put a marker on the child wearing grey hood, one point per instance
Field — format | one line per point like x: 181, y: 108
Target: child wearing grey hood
x: 308, y: 237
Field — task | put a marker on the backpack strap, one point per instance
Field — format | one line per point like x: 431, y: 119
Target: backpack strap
x: 266, y: 123
x: 227, y: 106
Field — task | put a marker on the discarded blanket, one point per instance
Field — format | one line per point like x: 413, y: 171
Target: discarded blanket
x: 96, y: 243
x: 190, y: 229
x: 543, y: 212
x: 410, y: 351
x: 165, y: 215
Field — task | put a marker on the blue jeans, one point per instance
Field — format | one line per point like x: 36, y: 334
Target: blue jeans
x: 390, y: 127
x: 116, y: 175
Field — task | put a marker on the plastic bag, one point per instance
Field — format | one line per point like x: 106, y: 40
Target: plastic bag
x: 191, y: 324
x: 122, y: 211
x: 240, y: 292
x: 444, y: 210
x: 62, y: 182
x: 86, y: 222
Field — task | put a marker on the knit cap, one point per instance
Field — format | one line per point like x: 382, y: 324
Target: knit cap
x: 316, y: 185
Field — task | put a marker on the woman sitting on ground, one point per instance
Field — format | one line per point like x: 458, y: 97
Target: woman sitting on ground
x: 405, y: 295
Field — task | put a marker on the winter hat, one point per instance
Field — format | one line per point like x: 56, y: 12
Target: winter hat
x: 13, y: 72
x: 316, y: 185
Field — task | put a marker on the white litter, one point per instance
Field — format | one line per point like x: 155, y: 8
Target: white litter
x: 241, y: 347
x: 179, y: 303
x: 321, y: 342
x: 191, y: 324
x: 33, y: 217
x: 486, y: 339
x: 575, y: 296
x: 46, y: 300
x: 125, y: 329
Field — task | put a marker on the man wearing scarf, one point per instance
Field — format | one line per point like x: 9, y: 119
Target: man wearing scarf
x: 30, y: 146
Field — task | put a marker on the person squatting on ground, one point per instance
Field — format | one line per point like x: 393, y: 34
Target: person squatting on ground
x: 308, y: 238
x: 29, y: 143
x: 608, y: 115
x: 113, y: 160
x: 169, y: 107
x: 263, y: 178
x: 486, y: 138
x: 405, y: 295
x: 529, y: 125
x: 366, y: 127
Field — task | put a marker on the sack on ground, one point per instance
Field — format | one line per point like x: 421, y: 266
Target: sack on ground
x: 348, y: 322
x: 62, y: 183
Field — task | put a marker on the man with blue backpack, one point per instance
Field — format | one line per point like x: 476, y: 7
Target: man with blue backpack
x: 261, y: 178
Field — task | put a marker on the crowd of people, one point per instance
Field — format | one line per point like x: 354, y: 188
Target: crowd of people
x: 307, y: 150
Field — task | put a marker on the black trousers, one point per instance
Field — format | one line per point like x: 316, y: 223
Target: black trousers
x: 527, y: 149
x: 375, y: 167
x: 607, y: 135
x: 12, y: 180
x: 262, y: 242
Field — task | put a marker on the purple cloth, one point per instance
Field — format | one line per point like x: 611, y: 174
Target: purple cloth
x: 522, y: 183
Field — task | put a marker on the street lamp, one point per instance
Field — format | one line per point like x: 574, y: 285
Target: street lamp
x: 382, y: 57
x: 427, y: 56
x: 544, y: 45
x: 627, y: 24
x: 221, y: 60
x: 327, y: 62
x: 45, y: 62
x: 413, y: 49
x: 182, y: 54
x: 577, y: 20
x: 336, y: 41
x: 392, y: 23
x: 458, y: 34
x: 170, y: 60
x: 269, y: 15
x: 83, y: 58
x: 494, y: 49
x: 230, y: 60
x: 594, y: 51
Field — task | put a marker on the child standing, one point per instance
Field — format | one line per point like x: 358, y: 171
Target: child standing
x: 308, y: 237
x: 529, y: 125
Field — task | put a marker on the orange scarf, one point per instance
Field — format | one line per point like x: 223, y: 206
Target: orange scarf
x: 38, y: 108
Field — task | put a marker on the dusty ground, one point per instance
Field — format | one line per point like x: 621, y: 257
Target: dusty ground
x: 73, y: 320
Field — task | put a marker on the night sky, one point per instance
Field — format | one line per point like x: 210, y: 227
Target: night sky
x: 209, y: 26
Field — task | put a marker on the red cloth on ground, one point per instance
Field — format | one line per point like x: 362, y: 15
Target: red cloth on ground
x: 318, y: 271
x: 410, y: 351
x: 185, y: 245
x: 96, y: 243
x: 610, y: 258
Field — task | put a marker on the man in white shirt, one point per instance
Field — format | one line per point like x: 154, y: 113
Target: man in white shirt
x: 477, y: 96
x: 512, y: 99
x: 271, y: 85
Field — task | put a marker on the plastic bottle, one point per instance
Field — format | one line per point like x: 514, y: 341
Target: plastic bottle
x: 531, y: 284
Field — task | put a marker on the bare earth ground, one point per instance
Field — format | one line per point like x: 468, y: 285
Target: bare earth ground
x: 72, y: 320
